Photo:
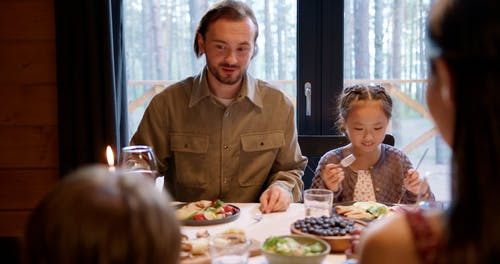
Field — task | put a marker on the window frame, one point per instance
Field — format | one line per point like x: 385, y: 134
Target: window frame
x: 320, y: 44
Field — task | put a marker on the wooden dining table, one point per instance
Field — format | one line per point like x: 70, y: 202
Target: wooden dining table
x: 272, y: 224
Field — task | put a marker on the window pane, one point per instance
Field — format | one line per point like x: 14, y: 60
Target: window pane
x: 159, y: 39
x: 384, y: 43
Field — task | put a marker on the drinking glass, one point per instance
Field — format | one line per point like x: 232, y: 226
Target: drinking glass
x: 139, y: 159
x: 423, y: 199
x: 318, y: 202
x: 229, y: 248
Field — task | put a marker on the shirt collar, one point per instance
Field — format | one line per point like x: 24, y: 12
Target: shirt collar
x: 249, y: 89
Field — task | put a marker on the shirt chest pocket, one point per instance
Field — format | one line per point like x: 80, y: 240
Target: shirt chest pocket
x: 257, y: 156
x: 189, y: 158
x: 262, y: 142
x: 189, y: 143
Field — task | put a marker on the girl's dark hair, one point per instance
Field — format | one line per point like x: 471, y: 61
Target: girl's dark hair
x: 466, y: 34
x: 228, y: 9
x: 357, y: 93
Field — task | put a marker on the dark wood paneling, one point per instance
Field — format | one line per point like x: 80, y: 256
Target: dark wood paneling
x: 12, y: 222
x: 23, y: 19
x: 37, y: 107
x: 28, y: 62
x: 29, y: 161
x: 28, y: 147
x: 23, y: 189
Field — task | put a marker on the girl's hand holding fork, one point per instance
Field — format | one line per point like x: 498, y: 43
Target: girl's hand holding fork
x: 333, y: 175
x: 413, y: 183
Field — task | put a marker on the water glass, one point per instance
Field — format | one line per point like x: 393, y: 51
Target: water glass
x: 229, y: 248
x: 139, y: 159
x: 423, y: 199
x: 318, y: 202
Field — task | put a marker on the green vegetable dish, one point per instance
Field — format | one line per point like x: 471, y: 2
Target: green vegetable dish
x: 290, y: 247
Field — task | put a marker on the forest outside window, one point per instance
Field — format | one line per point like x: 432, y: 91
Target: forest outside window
x: 330, y: 44
x: 159, y: 37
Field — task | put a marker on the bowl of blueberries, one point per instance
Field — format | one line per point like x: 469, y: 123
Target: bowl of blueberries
x: 335, y: 230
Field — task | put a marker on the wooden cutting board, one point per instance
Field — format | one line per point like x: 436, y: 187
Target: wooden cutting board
x: 254, y: 251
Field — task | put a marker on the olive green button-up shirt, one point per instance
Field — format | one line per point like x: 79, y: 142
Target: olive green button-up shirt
x: 207, y: 150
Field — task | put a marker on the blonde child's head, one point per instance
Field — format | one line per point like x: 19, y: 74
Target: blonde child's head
x: 97, y: 216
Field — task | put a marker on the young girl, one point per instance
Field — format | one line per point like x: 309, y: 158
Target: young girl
x: 380, y: 172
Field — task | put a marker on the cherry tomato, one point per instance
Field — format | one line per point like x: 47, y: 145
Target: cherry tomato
x: 228, y: 208
x: 199, y: 217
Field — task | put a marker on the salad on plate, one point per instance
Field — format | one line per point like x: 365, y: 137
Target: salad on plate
x: 204, y: 210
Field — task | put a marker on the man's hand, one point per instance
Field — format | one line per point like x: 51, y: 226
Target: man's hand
x: 274, y: 199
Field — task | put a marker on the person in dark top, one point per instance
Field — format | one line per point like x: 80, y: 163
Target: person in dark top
x: 463, y: 96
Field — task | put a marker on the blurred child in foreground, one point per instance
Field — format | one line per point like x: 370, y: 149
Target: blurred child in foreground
x: 463, y: 96
x: 97, y: 216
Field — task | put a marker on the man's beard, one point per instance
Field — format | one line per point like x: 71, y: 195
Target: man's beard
x: 226, y: 80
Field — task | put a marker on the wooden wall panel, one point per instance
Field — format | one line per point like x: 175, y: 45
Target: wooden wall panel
x: 23, y: 189
x: 27, y: 19
x: 28, y: 147
x: 29, y: 162
x: 12, y: 223
x: 29, y: 62
x: 28, y: 105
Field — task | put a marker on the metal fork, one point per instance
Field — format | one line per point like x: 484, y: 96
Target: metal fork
x: 416, y: 169
x: 257, y: 217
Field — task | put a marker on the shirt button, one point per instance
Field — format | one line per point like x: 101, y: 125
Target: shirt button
x: 228, y: 114
x: 226, y: 147
x: 377, y: 189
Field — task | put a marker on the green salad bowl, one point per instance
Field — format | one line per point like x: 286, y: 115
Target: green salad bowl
x: 279, y: 256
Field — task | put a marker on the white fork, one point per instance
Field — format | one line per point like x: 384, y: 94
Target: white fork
x: 347, y: 161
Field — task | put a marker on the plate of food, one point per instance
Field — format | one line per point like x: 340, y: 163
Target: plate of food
x: 365, y: 211
x: 335, y: 230
x: 206, y: 212
x: 195, y: 250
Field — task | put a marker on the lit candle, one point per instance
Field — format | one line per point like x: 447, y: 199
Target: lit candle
x: 111, y: 158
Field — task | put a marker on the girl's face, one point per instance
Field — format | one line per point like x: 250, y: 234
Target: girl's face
x: 366, y: 125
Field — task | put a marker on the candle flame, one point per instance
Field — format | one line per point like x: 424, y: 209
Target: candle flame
x: 110, y: 156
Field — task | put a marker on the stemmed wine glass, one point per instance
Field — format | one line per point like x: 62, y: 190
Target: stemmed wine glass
x: 139, y: 159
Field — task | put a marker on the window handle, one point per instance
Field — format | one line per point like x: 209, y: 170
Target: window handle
x: 307, y: 92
